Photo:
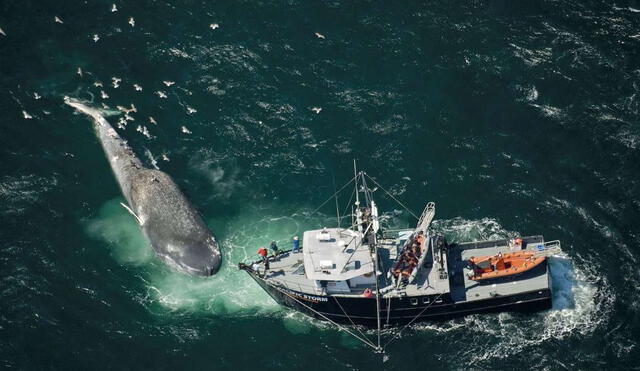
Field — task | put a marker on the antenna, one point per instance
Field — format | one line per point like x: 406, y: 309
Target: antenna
x: 355, y: 175
x: 358, y: 212
x: 336, y: 194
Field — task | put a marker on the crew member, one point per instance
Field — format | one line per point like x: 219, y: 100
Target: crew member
x: 296, y: 245
x: 274, y: 248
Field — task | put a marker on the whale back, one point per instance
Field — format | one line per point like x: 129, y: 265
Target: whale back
x: 171, y: 223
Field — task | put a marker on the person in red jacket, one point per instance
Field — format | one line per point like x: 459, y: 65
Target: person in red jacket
x: 263, y: 252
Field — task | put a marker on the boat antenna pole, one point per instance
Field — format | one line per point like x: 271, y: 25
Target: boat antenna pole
x: 336, y: 194
x: 375, y: 241
x: 358, y: 212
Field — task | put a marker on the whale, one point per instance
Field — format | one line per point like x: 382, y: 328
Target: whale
x: 171, y: 224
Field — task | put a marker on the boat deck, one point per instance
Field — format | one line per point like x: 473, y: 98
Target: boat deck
x: 287, y: 270
x: 465, y: 289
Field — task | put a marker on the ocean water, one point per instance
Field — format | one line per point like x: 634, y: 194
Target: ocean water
x: 514, y: 117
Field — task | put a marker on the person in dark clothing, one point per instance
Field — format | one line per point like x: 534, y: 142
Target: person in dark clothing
x: 274, y: 248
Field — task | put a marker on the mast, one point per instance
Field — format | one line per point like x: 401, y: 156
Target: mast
x: 358, y: 212
x: 374, y: 225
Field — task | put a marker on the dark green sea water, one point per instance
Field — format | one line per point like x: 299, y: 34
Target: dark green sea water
x: 515, y: 117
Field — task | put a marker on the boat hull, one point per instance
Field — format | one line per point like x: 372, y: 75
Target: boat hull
x: 400, y: 310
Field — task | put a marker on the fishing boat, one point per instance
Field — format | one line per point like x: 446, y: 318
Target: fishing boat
x: 363, y: 274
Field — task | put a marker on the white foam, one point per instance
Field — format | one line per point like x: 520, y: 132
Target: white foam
x: 581, y: 304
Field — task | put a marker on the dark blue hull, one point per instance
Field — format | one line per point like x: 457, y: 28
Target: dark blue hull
x: 401, y: 310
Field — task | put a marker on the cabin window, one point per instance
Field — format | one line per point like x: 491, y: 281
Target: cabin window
x: 425, y: 300
x: 438, y: 301
x: 414, y: 301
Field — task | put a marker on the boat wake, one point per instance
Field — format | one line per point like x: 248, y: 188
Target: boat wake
x: 579, y: 306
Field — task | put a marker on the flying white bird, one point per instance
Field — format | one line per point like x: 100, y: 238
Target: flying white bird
x: 103, y: 95
x: 116, y: 82
x: 127, y: 110
x: 213, y: 26
x: 144, y: 131
x: 96, y: 38
x: 316, y: 109
x: 165, y: 157
x: 185, y: 130
x: 319, y: 35
x: 132, y: 22
x: 152, y: 120
x: 79, y: 71
x: 97, y: 84
x: 27, y: 116
x: 161, y: 94
x: 128, y: 118
x: 191, y: 110
x: 36, y: 96
x: 122, y: 123
x: 114, y: 8
x: 57, y: 20
x: 137, y: 87
x: 169, y: 83
x: 2, y: 32
x: 104, y: 106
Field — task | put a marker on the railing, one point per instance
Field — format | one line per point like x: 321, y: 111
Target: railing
x: 296, y: 286
x: 427, y: 216
x: 257, y: 258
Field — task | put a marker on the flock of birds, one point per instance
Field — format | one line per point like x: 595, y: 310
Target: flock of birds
x: 115, y: 84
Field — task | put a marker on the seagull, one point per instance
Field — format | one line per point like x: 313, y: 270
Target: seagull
x: 79, y: 71
x: 96, y: 38
x: 128, y: 118
x: 169, y: 83
x: 137, y: 87
x: 103, y: 95
x: 97, y: 84
x: 36, y: 96
x: 165, y: 157
x: 132, y: 22
x: 116, y: 82
x: 213, y: 26
x: 185, y: 130
x: 191, y: 110
x: 104, y: 106
x: 152, y: 120
x: 2, y: 32
x: 57, y: 20
x: 122, y: 123
x: 316, y: 109
x: 161, y: 94
x: 127, y: 110
x: 144, y: 131
x: 27, y: 116
x: 319, y: 35
x: 114, y: 8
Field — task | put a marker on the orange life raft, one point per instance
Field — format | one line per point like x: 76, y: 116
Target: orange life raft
x: 503, y: 265
x: 410, y: 257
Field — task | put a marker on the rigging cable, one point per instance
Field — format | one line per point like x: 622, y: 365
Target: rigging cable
x: 395, y: 199
x: 332, y: 196
x: 410, y: 322
x: 350, y: 320
x: 366, y: 341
